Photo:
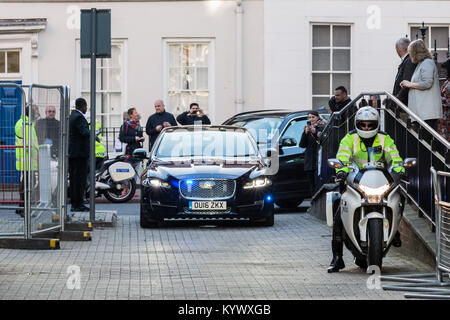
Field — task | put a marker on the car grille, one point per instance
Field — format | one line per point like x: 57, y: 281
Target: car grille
x: 211, y: 189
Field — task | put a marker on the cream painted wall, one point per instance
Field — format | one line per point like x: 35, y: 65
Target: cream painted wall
x: 144, y: 25
x: 287, y: 47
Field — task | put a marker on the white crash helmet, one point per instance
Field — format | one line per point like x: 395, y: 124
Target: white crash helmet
x: 367, y: 114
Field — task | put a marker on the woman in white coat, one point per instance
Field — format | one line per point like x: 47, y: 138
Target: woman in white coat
x: 424, y: 95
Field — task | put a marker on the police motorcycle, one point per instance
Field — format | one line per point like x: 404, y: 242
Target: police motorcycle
x: 371, y: 208
x: 116, y: 178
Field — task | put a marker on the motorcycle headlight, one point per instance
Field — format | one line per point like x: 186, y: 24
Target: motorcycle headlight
x: 374, y: 195
x: 155, y: 183
x: 257, y: 183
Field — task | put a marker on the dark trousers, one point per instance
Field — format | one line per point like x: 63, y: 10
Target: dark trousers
x: 33, y: 187
x: 432, y: 123
x: 78, y: 170
x: 311, y: 175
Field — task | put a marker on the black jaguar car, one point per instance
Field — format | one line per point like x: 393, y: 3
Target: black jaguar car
x: 283, y: 128
x: 205, y: 173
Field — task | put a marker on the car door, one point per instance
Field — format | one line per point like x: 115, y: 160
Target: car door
x: 290, y: 179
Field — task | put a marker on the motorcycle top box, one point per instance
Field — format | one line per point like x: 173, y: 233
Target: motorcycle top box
x: 120, y: 171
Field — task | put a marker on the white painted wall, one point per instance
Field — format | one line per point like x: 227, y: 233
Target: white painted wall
x: 287, y: 46
x: 144, y: 25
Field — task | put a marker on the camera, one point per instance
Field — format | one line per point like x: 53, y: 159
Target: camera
x: 308, y: 123
x: 195, y: 112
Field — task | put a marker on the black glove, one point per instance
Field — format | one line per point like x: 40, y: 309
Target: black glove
x: 397, y: 176
x: 341, y: 176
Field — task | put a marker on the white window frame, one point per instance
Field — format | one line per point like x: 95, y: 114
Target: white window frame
x: 331, y: 48
x: 21, y: 43
x: 11, y: 74
x: 430, y: 42
x: 211, y: 69
x: 124, y: 82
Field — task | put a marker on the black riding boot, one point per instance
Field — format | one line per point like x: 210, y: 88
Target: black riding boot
x: 397, y: 242
x: 337, y: 263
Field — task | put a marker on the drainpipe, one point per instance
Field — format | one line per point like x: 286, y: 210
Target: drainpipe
x: 239, y: 102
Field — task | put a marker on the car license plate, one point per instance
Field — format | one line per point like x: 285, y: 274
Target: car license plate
x: 207, y: 205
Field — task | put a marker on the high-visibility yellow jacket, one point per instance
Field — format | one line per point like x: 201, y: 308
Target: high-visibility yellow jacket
x: 352, y: 148
x: 20, y: 159
x: 100, y: 150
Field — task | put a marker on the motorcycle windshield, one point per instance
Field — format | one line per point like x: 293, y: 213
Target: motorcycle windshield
x: 373, y: 179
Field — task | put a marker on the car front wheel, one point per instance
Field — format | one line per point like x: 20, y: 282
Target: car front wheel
x: 145, y: 221
x: 267, y: 222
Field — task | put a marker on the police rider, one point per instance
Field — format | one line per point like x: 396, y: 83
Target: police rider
x: 354, y: 147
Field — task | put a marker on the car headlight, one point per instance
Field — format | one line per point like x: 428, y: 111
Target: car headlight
x: 257, y: 183
x: 155, y: 183
x: 374, y: 195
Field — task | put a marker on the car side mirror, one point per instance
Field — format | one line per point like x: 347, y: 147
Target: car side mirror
x: 140, y: 154
x: 409, y: 162
x: 335, y: 163
x: 288, y: 142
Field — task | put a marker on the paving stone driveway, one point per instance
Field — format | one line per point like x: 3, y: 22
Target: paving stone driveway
x: 287, y: 261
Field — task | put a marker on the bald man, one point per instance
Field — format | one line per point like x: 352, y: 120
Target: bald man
x: 158, y: 121
x: 48, y: 130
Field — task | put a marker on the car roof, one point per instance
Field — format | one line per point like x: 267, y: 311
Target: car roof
x: 204, y: 127
x: 274, y: 113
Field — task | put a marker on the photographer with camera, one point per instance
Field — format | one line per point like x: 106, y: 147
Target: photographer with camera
x: 310, y: 141
x: 195, y: 115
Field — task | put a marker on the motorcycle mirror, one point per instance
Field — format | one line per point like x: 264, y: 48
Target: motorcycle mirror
x: 409, y: 162
x: 335, y: 163
x: 140, y: 154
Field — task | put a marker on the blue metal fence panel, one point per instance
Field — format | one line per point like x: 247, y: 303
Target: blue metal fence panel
x: 10, y: 112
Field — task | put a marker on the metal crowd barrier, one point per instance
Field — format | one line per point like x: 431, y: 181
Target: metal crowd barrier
x: 37, y: 187
x: 9, y: 184
x: 12, y: 225
x: 432, y: 285
x: 49, y: 208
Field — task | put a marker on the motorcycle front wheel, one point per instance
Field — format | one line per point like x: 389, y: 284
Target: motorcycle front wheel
x: 375, y: 242
x: 123, y: 194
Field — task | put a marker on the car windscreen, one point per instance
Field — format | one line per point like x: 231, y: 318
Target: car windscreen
x: 262, y: 129
x: 206, y: 143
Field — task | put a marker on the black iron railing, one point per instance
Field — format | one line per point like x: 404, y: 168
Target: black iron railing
x: 110, y: 135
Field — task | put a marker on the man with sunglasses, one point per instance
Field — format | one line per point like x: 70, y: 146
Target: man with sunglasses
x: 47, y: 130
x: 354, y: 147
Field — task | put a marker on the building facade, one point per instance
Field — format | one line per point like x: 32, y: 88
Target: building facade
x: 210, y: 52
x: 313, y: 46
x: 229, y: 55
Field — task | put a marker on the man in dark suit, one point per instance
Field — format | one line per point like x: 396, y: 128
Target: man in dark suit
x: 78, y: 154
x: 405, y: 70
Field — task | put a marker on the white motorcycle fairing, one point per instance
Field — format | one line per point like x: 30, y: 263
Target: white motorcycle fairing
x: 351, y: 200
x: 332, y: 196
